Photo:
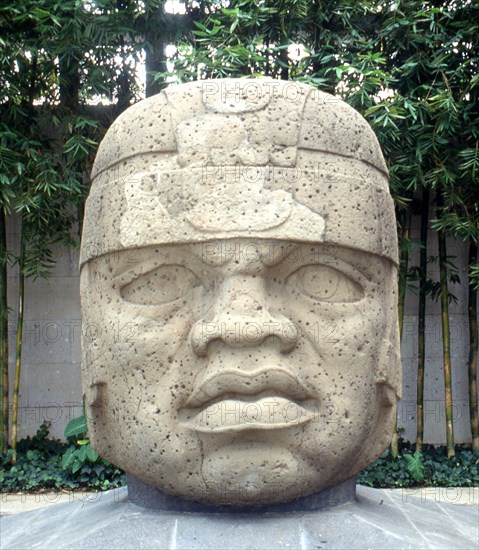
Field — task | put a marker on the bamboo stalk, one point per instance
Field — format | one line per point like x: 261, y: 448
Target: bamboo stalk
x: 19, y: 338
x: 446, y: 335
x: 21, y: 275
x: 4, y: 381
x: 421, y: 335
x: 403, y: 266
x: 473, y: 348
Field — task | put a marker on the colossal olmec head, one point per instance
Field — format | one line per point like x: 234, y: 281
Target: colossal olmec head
x: 244, y: 233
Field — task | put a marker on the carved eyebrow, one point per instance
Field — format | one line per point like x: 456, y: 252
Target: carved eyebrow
x: 128, y: 275
x: 150, y: 258
x: 321, y: 257
x: 137, y: 265
x: 282, y: 251
x: 331, y: 255
x: 214, y: 253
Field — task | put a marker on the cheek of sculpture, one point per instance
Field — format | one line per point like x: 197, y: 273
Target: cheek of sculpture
x: 144, y: 370
x: 337, y: 357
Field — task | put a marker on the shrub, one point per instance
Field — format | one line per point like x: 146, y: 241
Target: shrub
x: 39, y: 467
x: 430, y: 468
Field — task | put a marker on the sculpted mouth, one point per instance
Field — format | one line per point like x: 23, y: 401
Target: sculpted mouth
x: 236, y: 401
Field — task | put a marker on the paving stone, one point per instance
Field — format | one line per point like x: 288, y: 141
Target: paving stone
x: 378, y: 519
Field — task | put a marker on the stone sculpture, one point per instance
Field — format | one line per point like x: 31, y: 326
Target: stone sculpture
x: 238, y: 288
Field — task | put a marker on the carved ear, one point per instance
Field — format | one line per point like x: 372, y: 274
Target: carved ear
x: 388, y: 377
x: 97, y: 394
x: 386, y: 394
x: 386, y: 400
x: 388, y: 370
x: 93, y: 346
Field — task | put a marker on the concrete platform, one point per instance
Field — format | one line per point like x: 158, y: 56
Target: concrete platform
x: 378, y: 519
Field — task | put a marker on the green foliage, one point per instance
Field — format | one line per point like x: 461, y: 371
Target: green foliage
x: 432, y: 287
x: 39, y: 467
x: 474, y: 276
x: 82, y: 453
x: 243, y: 38
x: 429, y: 468
x: 415, y: 465
x: 56, y: 57
x: 76, y: 457
x: 76, y: 426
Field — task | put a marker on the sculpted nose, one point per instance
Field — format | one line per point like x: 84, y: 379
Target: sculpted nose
x: 242, y: 318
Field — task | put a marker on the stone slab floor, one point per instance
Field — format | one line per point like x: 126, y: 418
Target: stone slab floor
x: 379, y: 519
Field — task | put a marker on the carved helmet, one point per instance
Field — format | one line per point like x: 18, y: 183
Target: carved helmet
x: 227, y: 158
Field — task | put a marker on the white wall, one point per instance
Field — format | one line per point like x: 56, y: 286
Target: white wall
x: 50, y: 384
x: 51, y: 381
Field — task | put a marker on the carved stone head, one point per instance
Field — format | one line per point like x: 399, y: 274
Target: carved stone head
x: 238, y: 288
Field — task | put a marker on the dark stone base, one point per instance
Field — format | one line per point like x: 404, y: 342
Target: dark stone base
x: 152, y: 498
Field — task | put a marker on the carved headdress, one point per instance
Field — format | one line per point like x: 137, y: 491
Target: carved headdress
x: 239, y: 158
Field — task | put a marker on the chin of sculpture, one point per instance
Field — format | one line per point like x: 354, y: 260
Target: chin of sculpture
x: 238, y: 288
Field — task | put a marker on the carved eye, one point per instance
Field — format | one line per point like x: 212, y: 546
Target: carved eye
x: 325, y: 284
x: 160, y: 286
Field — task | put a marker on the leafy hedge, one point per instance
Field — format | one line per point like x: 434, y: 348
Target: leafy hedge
x: 39, y: 467
x: 47, y: 464
x: 430, y: 468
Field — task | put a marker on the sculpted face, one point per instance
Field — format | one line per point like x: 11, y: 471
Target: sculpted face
x: 255, y: 363
x: 256, y: 368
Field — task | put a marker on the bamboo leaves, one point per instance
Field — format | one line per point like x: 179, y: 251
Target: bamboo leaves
x: 45, y: 147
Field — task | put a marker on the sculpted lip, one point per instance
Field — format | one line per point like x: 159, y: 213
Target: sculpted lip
x: 235, y: 414
x: 236, y: 401
x: 248, y: 383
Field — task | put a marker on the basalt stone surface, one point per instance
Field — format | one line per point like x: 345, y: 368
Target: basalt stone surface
x: 153, y: 499
x: 238, y: 290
